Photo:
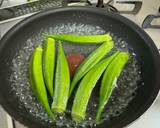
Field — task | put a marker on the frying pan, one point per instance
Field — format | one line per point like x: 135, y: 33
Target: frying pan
x: 135, y: 37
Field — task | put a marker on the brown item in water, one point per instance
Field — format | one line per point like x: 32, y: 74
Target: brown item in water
x: 74, y: 60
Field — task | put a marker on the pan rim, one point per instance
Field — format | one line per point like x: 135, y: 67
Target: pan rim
x: 132, y: 25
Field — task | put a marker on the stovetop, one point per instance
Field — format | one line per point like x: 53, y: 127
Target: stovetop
x: 142, y: 12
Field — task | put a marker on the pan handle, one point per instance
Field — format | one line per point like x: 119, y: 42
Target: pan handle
x: 147, y: 23
x: 100, y: 4
x: 75, y: 3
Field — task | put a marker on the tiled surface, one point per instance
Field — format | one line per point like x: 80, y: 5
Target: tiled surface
x: 5, y: 120
x: 7, y: 3
x: 151, y: 119
x: 18, y: 125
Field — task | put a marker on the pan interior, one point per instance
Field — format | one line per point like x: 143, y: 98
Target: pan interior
x: 129, y: 100
x: 123, y: 94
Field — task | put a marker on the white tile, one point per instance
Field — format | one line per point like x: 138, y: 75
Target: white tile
x: 5, y: 120
x: 151, y: 119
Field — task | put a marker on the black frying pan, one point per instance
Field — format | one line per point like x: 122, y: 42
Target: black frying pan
x: 120, y: 26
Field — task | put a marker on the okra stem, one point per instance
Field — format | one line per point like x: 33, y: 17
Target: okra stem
x: 85, y: 88
x: 81, y: 38
x: 37, y: 81
x: 62, y: 82
x: 90, y: 61
x: 48, y: 63
x: 109, y: 80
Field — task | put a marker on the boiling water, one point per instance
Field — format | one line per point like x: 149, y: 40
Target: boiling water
x: 121, y: 97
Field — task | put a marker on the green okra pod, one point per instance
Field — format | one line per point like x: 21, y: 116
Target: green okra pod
x: 62, y: 82
x: 90, y: 61
x: 81, y: 38
x: 86, y: 86
x: 48, y: 63
x: 37, y: 80
x: 109, y: 80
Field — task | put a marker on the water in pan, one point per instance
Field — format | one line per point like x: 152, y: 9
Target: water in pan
x: 122, y: 95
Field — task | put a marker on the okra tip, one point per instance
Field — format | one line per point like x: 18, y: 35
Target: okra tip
x: 38, y: 48
x: 98, y: 115
x: 47, y: 39
x: 44, y: 35
x: 52, y: 117
x: 108, y: 37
